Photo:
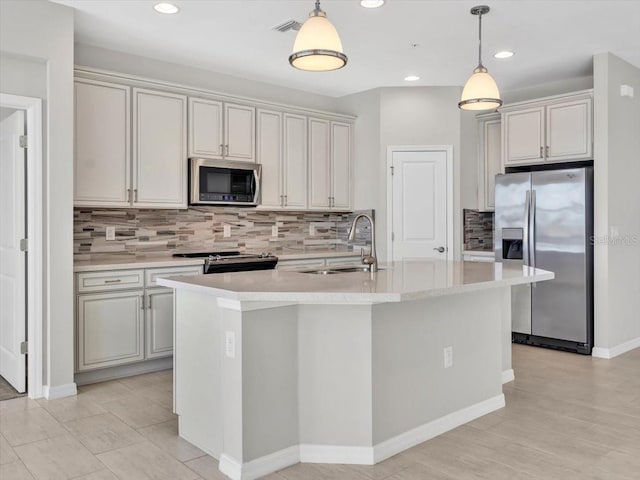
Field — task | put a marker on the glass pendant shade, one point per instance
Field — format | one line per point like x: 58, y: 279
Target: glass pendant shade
x: 480, y: 92
x: 317, y: 47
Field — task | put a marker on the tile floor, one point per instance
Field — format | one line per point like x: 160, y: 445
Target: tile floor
x: 567, y: 417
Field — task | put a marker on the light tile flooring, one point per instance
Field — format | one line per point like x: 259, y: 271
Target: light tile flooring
x: 567, y: 417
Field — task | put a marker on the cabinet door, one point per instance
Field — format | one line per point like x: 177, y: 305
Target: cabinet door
x: 159, y: 323
x: 102, y: 161
x: 490, y: 162
x: 160, y: 149
x: 341, y: 165
x: 205, y: 128
x: 269, y: 145
x: 240, y: 133
x: 110, y: 329
x: 319, y: 164
x: 523, y: 137
x: 295, y: 161
x: 569, y: 128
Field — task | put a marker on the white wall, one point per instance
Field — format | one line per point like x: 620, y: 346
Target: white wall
x: 617, y: 205
x: 122, y: 62
x: 548, y: 89
x: 41, y: 33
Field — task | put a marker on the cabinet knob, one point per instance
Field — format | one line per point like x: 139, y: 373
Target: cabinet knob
x: 541, y: 152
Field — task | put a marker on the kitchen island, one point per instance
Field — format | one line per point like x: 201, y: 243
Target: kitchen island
x: 277, y: 367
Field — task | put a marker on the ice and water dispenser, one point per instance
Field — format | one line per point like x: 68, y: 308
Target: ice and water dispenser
x: 512, y: 243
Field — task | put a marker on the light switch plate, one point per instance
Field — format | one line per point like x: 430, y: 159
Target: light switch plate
x: 448, y: 357
x: 227, y: 230
x: 312, y: 230
x: 110, y: 233
x: 274, y: 231
x: 626, y: 91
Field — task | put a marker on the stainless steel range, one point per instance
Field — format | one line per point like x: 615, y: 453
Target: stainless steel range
x: 221, y: 262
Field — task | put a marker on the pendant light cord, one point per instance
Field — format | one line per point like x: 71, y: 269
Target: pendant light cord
x: 480, y: 40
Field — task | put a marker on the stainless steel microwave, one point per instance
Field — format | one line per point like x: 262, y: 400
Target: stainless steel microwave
x: 220, y: 182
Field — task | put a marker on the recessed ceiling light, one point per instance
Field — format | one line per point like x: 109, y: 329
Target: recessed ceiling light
x: 166, y: 8
x: 504, y: 54
x: 412, y: 78
x: 371, y: 3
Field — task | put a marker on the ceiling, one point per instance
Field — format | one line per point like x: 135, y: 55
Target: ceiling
x: 553, y: 40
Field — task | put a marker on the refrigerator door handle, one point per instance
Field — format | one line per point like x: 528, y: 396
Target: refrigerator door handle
x: 532, y: 230
x: 525, y: 233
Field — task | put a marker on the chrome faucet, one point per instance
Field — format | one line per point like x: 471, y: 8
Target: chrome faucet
x: 371, y: 259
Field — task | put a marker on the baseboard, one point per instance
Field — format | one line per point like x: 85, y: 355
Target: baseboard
x: 508, y: 376
x: 308, y: 453
x: 260, y: 466
x: 608, y: 353
x: 59, y: 391
x: 123, y: 371
x: 336, y: 454
x: 425, y: 432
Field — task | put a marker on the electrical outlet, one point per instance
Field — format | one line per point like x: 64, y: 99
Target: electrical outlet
x: 312, y: 230
x: 227, y: 230
x: 274, y: 231
x: 230, y: 344
x: 110, y: 233
x: 448, y: 357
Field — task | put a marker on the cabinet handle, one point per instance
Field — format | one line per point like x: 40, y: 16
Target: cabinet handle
x: 135, y: 194
x: 547, y: 151
x: 117, y: 280
x: 221, y: 149
x: 149, y: 303
x: 541, y: 152
x: 142, y: 305
x: 282, y: 200
x: 129, y: 195
x: 286, y: 201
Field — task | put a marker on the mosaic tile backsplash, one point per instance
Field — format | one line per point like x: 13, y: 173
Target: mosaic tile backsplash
x: 478, y: 230
x: 141, y: 233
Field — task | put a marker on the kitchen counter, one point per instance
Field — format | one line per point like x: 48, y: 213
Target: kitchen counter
x: 124, y: 262
x: 479, y: 253
x: 395, y: 282
x: 348, y: 368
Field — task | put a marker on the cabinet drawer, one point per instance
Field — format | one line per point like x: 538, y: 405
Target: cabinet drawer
x: 152, y: 274
x: 295, y: 264
x: 110, y: 280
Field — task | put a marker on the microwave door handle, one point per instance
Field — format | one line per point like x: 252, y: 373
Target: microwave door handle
x: 255, y: 187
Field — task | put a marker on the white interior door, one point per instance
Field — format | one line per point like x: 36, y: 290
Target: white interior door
x: 420, y: 210
x: 12, y: 259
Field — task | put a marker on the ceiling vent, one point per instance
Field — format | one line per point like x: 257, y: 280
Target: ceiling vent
x: 288, y: 25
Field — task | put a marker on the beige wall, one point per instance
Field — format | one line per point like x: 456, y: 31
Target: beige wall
x: 617, y: 203
x: 41, y: 32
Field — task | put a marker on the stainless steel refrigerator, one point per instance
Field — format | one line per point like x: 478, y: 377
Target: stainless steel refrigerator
x: 544, y: 219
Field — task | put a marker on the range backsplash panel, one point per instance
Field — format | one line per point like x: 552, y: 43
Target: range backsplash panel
x: 140, y: 233
x: 478, y: 230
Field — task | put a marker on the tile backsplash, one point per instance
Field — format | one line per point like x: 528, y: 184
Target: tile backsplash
x: 478, y: 230
x: 157, y: 232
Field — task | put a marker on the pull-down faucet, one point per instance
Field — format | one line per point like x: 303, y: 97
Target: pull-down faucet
x: 371, y: 259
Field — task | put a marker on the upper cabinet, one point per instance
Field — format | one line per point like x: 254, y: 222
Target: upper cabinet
x: 102, y: 163
x: 160, y: 149
x: 489, y: 159
x: 269, y: 155
x: 221, y: 130
x: 329, y: 165
x: 294, y: 161
x: 111, y: 170
x: 557, y: 129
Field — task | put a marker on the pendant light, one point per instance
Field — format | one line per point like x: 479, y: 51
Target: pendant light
x: 317, y: 47
x: 480, y: 92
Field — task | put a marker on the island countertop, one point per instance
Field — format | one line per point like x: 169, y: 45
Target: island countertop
x: 394, y: 282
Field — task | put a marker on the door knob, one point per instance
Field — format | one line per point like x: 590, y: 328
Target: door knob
x: 440, y: 249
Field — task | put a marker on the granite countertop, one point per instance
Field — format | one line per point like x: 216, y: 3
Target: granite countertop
x: 124, y: 262
x: 395, y: 282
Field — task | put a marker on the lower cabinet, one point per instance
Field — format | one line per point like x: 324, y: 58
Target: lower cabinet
x: 118, y: 326
x: 318, y: 262
x: 159, y: 323
x: 110, y: 329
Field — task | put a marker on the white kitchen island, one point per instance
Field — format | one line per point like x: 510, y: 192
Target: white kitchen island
x: 276, y: 367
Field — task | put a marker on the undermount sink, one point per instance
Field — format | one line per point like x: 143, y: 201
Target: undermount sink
x: 334, y: 270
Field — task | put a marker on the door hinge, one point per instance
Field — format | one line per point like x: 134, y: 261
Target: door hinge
x: 393, y: 236
x: 24, y: 244
x: 392, y: 169
x: 24, y: 348
x: 23, y: 141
